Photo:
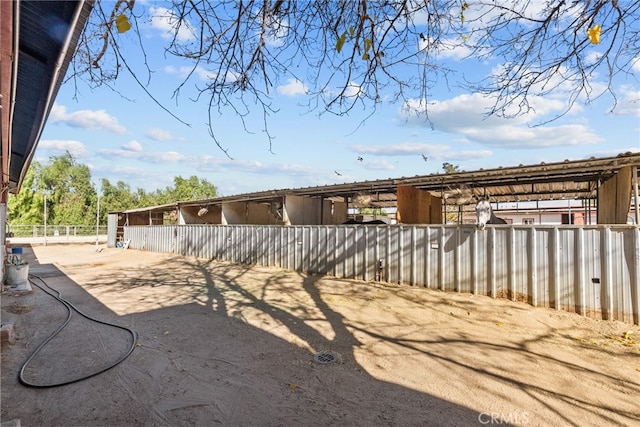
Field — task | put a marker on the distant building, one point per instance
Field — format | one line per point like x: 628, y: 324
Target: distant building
x: 549, y: 212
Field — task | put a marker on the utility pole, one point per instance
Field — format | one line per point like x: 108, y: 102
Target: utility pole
x: 45, y: 217
x: 98, y: 221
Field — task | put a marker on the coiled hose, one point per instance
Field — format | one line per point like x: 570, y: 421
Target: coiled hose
x: 70, y: 308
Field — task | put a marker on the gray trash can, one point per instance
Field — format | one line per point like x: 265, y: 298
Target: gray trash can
x: 17, y: 274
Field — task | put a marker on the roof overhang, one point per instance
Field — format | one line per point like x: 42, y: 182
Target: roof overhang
x: 38, y: 41
x: 573, y: 180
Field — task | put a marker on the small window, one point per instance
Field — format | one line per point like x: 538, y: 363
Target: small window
x: 528, y: 221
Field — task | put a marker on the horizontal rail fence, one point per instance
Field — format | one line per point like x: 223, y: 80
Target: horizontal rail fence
x: 590, y: 270
x: 54, y: 230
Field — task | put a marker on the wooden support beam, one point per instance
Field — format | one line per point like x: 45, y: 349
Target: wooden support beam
x: 614, y: 198
x: 417, y: 206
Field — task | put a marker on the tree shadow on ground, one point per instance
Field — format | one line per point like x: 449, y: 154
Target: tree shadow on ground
x: 234, y: 344
x: 202, y: 361
x: 256, y: 296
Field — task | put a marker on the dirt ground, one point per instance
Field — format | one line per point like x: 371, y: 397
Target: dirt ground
x: 234, y: 345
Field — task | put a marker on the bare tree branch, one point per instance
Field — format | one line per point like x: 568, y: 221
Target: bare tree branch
x: 361, y: 53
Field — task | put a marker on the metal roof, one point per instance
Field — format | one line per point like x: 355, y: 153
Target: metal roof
x: 42, y: 41
x: 545, y: 181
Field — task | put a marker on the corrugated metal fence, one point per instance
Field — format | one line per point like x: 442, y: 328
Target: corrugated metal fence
x: 591, y: 270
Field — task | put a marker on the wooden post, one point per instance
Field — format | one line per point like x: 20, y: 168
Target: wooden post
x: 614, y: 197
x: 635, y: 195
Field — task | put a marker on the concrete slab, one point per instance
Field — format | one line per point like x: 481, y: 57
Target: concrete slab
x: 20, y: 287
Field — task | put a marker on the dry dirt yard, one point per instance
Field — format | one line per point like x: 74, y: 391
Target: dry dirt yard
x: 234, y: 345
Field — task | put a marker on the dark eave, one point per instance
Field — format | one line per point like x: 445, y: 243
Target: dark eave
x: 45, y: 34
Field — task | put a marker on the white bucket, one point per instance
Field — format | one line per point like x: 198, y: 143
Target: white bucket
x: 17, y: 274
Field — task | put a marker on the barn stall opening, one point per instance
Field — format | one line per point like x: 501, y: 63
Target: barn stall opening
x: 591, y: 269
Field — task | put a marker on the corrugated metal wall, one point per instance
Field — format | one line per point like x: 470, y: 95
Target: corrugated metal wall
x: 591, y: 270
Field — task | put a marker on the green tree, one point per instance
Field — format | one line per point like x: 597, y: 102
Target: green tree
x: 450, y: 168
x: 183, y: 190
x: 72, y: 198
x: 117, y: 197
x: 27, y: 207
x: 191, y: 189
x: 72, y: 194
x: 146, y: 199
x: 462, y: 192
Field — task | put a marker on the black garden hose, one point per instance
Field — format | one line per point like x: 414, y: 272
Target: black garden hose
x: 69, y: 308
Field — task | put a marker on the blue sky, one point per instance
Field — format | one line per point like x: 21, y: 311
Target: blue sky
x: 126, y: 136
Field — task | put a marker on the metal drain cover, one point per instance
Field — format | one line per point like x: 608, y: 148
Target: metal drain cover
x: 325, y: 357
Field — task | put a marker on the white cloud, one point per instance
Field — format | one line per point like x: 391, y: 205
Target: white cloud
x: 111, y: 153
x: 132, y: 146
x: 479, y: 15
x: 86, y: 119
x: 170, y: 69
x: 592, y: 57
x: 158, y: 134
x: 128, y: 172
x: 453, y: 49
x: 636, y: 64
x: 378, y: 165
x: 352, y: 90
x: 209, y: 163
x: 402, y: 149
x: 629, y: 101
x: 431, y: 151
x: 613, y: 152
x: 184, y: 72
x: 215, y: 164
x: 467, y: 154
x: 467, y: 115
x: 533, y: 137
x: 164, y: 157
x: 154, y: 157
x: 76, y: 148
x: 204, y: 74
x: 149, y: 179
x: 277, y: 31
x: 292, y: 88
x: 165, y: 21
